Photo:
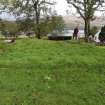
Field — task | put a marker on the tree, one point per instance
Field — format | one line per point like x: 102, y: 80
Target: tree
x: 58, y: 24
x: 52, y: 24
x: 8, y: 28
x: 25, y: 25
x: 28, y: 8
x: 86, y: 9
x: 93, y: 30
x: 102, y: 35
x: 2, y: 25
x: 11, y: 28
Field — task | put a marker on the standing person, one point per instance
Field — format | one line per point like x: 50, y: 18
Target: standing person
x: 90, y: 37
x: 75, y: 34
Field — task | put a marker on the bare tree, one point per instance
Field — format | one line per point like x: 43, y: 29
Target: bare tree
x: 87, y: 9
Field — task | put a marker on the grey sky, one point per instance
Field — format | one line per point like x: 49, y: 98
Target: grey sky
x: 61, y: 7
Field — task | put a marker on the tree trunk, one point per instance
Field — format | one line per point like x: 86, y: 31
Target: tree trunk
x: 37, y: 24
x: 38, y: 32
x: 38, y: 28
x: 87, y: 29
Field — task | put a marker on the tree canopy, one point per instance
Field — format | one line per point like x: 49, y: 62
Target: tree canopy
x: 33, y: 9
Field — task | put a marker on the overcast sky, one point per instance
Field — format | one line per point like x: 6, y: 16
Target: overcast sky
x: 61, y: 7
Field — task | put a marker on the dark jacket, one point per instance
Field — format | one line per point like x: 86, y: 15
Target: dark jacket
x: 76, y: 31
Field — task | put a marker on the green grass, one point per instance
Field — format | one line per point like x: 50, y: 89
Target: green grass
x: 41, y: 72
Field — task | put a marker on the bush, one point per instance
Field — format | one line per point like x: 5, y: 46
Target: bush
x: 93, y: 30
x: 54, y: 25
x: 102, y: 35
x: 5, y: 33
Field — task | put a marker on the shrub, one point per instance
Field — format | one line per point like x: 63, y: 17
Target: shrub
x: 5, y: 33
x: 93, y: 30
x: 102, y: 35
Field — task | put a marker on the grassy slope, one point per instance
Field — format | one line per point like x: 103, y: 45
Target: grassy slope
x: 40, y: 72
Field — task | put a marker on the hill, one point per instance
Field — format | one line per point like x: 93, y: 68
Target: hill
x: 72, y: 21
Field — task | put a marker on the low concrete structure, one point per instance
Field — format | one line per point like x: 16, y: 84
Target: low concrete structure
x: 65, y: 35
x: 59, y: 37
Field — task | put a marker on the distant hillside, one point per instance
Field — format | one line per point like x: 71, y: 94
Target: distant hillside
x: 72, y: 21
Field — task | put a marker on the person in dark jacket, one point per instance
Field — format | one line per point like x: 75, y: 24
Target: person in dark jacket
x: 75, y: 34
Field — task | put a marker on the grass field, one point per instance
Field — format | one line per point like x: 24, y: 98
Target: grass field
x: 41, y: 72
